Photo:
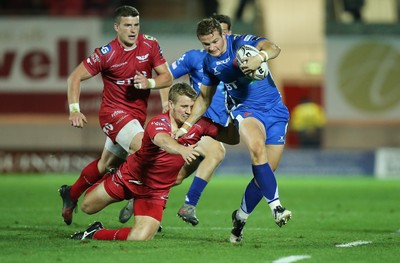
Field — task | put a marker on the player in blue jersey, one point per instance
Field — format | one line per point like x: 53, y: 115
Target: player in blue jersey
x: 190, y: 63
x: 257, y: 110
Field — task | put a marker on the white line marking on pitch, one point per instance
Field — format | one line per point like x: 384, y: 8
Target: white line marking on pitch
x: 291, y: 259
x: 354, y: 244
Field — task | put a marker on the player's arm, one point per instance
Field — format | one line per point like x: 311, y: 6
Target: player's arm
x: 202, y: 103
x: 166, y: 142
x: 268, y: 49
x: 74, y: 80
x: 164, y: 98
x: 162, y: 80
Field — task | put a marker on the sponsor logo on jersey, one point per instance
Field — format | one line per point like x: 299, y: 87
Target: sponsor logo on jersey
x: 143, y: 58
x: 105, y: 49
x: 221, y: 62
x: 93, y: 59
x: 216, y: 72
x: 119, y: 65
x: 115, y: 113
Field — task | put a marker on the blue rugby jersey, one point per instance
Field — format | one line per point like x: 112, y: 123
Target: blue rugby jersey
x: 257, y: 94
x: 191, y: 63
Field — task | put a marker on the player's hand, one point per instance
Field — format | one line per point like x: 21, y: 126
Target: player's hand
x: 188, y: 153
x: 140, y: 81
x: 250, y: 64
x: 77, y: 119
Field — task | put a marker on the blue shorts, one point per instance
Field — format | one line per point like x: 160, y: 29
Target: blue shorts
x: 219, y: 115
x: 274, y: 120
x: 217, y: 111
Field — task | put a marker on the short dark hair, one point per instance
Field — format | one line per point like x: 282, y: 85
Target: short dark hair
x: 124, y: 11
x: 223, y: 19
x: 181, y: 89
x: 207, y: 26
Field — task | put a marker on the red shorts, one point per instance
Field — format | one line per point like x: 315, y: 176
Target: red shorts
x: 113, y: 120
x: 148, y: 202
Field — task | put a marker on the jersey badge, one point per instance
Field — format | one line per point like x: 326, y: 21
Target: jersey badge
x: 149, y: 37
x: 105, y: 49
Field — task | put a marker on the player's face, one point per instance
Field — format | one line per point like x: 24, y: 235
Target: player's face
x: 128, y: 31
x: 214, y: 43
x: 181, y: 110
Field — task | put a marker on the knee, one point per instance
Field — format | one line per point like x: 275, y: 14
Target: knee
x: 86, y: 207
x: 258, y: 152
x: 102, y: 166
x: 217, y: 153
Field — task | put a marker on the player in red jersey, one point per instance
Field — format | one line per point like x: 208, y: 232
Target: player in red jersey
x: 126, y: 65
x: 148, y: 175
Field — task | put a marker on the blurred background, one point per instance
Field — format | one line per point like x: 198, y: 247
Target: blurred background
x: 338, y: 72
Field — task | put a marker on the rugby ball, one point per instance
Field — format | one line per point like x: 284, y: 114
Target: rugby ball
x: 249, y: 51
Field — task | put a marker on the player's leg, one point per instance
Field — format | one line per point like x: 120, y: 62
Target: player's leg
x: 265, y: 160
x: 96, y: 199
x: 148, y: 215
x: 130, y: 138
x: 214, y: 153
x: 252, y: 196
x: 112, y: 156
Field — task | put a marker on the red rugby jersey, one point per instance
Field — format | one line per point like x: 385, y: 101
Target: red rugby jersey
x: 118, y: 67
x: 155, y: 167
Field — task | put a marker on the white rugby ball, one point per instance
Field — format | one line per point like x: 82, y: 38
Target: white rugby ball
x: 248, y: 51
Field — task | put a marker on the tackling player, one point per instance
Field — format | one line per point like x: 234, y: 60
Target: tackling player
x: 148, y: 175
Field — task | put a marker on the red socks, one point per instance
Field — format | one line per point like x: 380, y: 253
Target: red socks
x: 116, y: 234
x: 89, y: 176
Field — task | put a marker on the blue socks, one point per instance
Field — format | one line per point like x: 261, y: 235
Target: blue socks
x: 252, y: 196
x: 266, y: 180
x: 195, y: 190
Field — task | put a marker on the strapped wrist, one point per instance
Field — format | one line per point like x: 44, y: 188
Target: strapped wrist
x: 74, y: 107
x: 261, y: 57
x: 152, y: 83
x: 188, y: 124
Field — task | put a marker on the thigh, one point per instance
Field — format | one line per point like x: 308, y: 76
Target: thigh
x: 96, y: 199
x: 208, y: 146
x: 112, y: 156
x: 130, y: 136
x: 274, y: 153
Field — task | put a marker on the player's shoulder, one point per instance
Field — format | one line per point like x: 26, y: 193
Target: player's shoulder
x: 160, y: 119
x: 108, y: 48
x: 148, y: 39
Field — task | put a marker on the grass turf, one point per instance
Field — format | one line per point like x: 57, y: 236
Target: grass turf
x: 326, y: 211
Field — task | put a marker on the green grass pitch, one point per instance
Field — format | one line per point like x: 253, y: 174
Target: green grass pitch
x: 327, y: 211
